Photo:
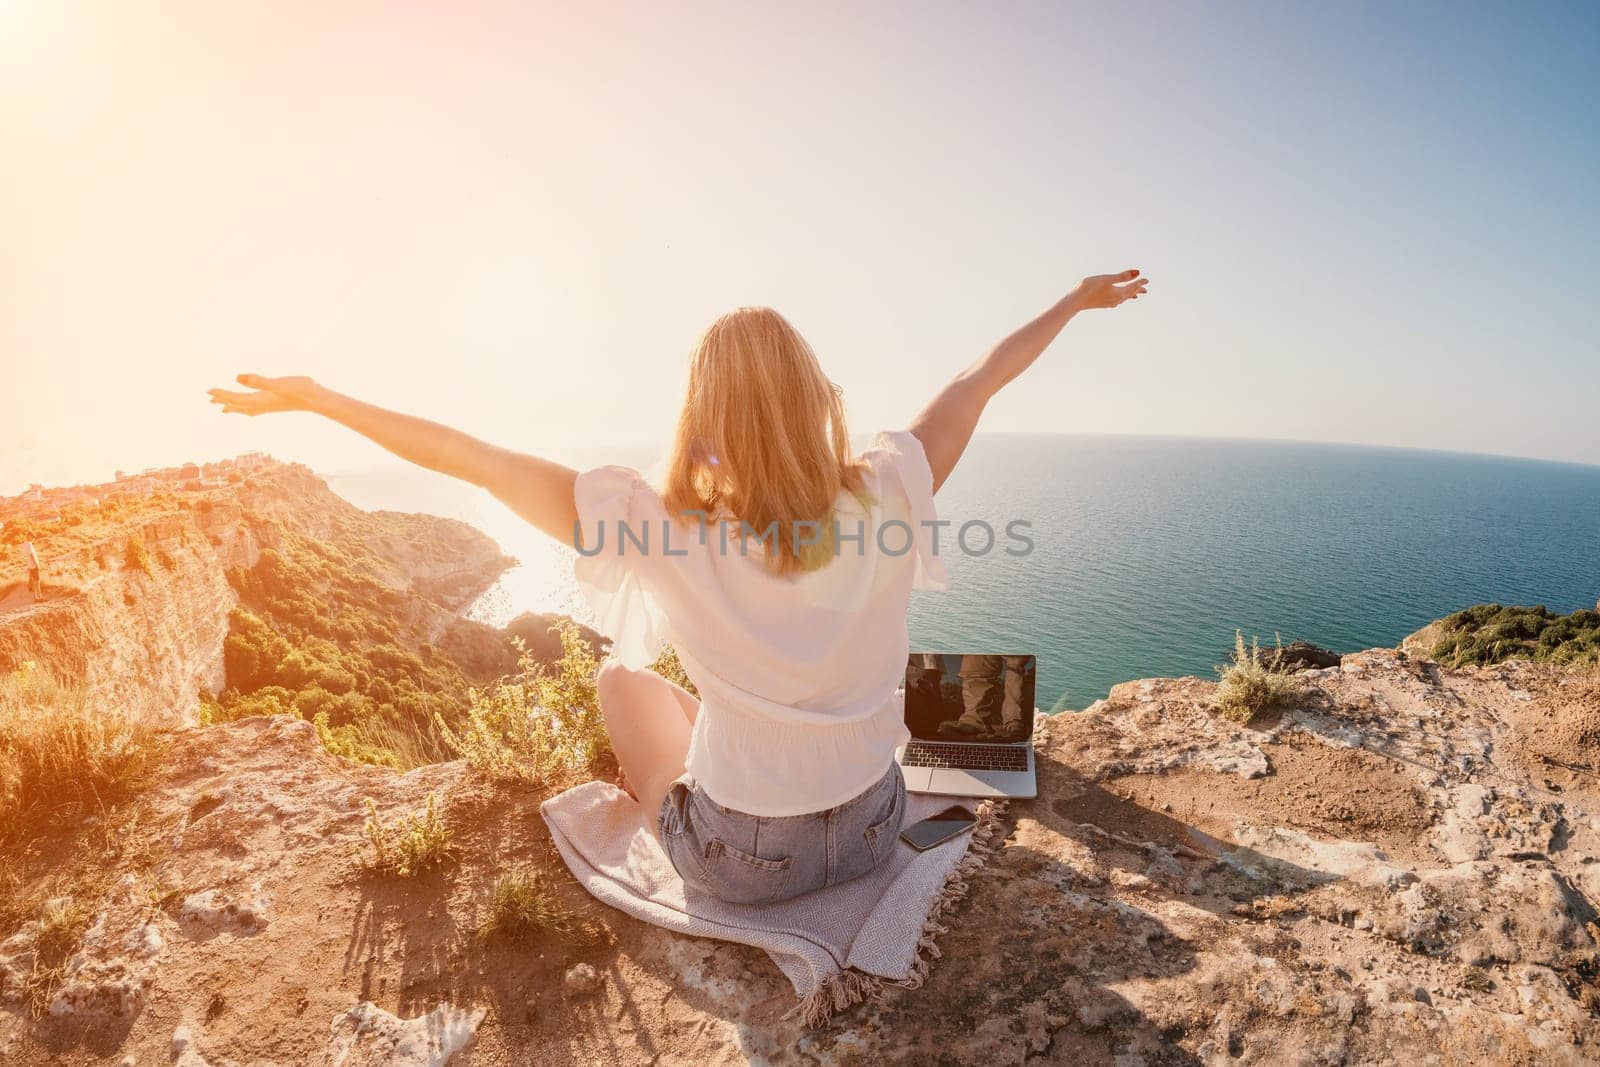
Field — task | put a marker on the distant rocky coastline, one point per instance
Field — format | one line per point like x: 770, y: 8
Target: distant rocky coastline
x: 147, y: 582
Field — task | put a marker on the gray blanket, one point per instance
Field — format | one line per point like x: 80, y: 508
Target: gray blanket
x: 837, y: 946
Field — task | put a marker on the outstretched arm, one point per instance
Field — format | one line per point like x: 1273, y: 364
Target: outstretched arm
x: 536, y: 489
x: 945, y: 426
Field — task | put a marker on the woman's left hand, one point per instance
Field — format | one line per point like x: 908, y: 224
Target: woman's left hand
x: 1108, y: 290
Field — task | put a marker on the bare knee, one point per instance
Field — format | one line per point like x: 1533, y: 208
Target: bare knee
x: 616, y: 686
x: 610, y: 673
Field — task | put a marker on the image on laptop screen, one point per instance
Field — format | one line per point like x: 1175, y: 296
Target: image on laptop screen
x: 953, y: 697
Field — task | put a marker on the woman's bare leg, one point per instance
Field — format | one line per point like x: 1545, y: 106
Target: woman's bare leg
x: 649, y: 720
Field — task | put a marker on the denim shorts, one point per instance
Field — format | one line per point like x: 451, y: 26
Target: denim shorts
x: 759, y: 859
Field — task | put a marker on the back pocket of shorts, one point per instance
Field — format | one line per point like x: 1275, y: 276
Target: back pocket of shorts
x: 881, y: 835
x: 740, y: 878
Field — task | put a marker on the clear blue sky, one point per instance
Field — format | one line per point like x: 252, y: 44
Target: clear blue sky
x: 1363, y: 223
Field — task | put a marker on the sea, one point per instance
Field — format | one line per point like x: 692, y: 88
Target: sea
x: 1149, y: 554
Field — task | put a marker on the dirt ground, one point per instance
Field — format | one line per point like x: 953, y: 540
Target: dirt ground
x: 1347, y: 793
x: 1556, y: 734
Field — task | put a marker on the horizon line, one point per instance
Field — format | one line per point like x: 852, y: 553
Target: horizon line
x: 1104, y: 435
x: 1230, y: 438
x: 1296, y: 441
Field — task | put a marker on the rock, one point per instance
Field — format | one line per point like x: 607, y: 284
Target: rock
x: 183, y: 1051
x: 1298, y: 656
x: 218, y: 910
x: 144, y: 941
x: 109, y: 976
x: 582, y: 980
x: 368, y: 1036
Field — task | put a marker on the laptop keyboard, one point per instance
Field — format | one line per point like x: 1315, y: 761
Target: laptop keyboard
x: 966, y: 757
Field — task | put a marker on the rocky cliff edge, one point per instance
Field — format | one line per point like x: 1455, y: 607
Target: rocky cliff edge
x: 142, y: 631
x: 1401, y: 868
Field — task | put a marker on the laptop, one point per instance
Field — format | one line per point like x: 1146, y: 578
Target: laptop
x: 971, y: 723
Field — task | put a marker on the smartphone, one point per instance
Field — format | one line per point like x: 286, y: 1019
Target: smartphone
x: 938, y: 828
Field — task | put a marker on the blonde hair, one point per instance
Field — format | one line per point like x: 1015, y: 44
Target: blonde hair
x: 762, y: 437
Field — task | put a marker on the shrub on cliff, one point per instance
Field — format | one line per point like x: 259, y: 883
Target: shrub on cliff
x: 231, y: 707
x: 671, y: 668
x: 381, y: 741
x: 413, y: 845
x: 252, y: 652
x: 541, y: 725
x: 60, y: 760
x: 19, y: 530
x: 1248, y: 685
x: 136, y: 555
x: 524, y: 907
x: 1489, y: 633
x: 540, y: 633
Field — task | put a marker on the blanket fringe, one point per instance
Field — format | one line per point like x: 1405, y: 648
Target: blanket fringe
x: 851, y: 986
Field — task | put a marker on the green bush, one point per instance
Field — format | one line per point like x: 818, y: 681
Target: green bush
x: 413, y: 845
x: 319, y: 633
x: 541, y: 725
x: 1490, y: 633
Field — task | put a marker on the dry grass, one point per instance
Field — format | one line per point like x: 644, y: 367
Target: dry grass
x: 51, y: 886
x: 1248, y: 686
x: 523, y: 908
x: 65, y: 775
x: 58, y: 912
x: 59, y: 760
x: 1584, y: 678
x: 59, y: 928
x: 381, y: 741
x: 61, y: 923
x: 415, y: 844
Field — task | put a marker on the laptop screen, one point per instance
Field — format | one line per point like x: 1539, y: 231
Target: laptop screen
x: 953, y: 697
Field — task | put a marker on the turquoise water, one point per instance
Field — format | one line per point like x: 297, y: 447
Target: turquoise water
x: 1150, y: 552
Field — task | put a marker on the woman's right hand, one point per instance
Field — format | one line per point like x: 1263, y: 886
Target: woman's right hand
x: 1108, y: 290
x: 297, y: 393
x: 536, y: 489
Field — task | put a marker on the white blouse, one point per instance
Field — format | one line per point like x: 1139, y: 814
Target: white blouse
x: 797, y: 674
